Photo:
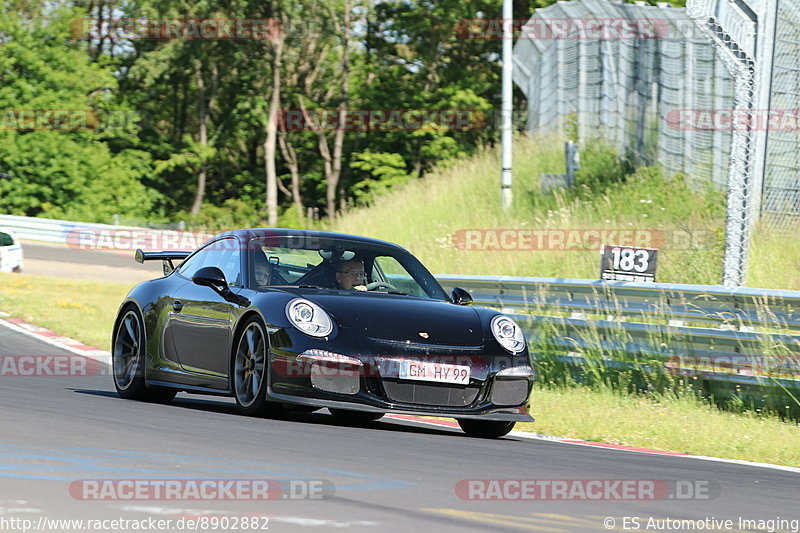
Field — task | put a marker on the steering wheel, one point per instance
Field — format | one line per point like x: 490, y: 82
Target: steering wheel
x: 381, y: 284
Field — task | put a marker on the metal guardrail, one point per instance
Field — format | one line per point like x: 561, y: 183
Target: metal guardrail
x: 740, y: 307
x: 48, y: 229
x: 744, y: 336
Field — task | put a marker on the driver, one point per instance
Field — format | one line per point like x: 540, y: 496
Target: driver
x: 350, y: 275
x: 262, y: 270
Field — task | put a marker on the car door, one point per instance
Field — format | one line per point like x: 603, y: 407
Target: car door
x: 10, y: 253
x: 201, y: 320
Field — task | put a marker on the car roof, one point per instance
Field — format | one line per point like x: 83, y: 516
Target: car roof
x: 251, y: 233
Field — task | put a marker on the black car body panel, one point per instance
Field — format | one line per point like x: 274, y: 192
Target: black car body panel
x: 191, y: 332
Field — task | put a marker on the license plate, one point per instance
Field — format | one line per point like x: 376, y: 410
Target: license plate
x: 428, y: 371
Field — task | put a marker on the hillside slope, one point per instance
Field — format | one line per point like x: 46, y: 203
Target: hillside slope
x: 450, y: 218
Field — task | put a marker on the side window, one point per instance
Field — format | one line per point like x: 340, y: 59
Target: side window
x: 193, y: 264
x: 223, y: 254
x: 226, y: 257
x: 5, y: 239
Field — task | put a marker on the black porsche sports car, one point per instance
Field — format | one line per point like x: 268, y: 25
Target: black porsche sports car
x: 283, y: 318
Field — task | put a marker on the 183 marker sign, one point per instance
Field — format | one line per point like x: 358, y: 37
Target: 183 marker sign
x: 624, y: 263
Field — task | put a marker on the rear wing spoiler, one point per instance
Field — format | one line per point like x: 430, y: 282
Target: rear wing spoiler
x: 166, y: 258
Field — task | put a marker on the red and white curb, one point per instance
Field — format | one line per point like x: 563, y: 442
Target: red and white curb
x: 54, y: 339
x: 602, y: 445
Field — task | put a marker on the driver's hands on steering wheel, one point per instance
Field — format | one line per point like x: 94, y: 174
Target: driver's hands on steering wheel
x: 380, y: 285
x: 360, y: 287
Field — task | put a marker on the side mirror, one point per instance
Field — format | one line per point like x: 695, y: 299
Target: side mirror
x: 461, y: 297
x: 210, y: 276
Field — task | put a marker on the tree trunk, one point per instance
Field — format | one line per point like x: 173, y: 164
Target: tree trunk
x: 290, y: 156
x: 430, y: 82
x: 338, y: 142
x: 272, y: 131
x: 203, y: 117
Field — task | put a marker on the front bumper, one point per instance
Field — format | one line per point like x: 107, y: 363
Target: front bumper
x: 495, y: 391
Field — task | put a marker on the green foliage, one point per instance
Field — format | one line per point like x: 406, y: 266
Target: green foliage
x: 69, y: 172
x: 143, y: 152
x: 232, y: 214
x: 380, y: 171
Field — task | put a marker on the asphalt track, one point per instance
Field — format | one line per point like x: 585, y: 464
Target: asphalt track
x: 387, y: 476
x: 65, y: 254
x: 63, y: 261
x: 66, y: 425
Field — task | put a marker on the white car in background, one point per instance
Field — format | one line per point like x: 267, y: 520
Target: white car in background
x: 10, y: 252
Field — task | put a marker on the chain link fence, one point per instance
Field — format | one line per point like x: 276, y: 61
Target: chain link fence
x: 781, y: 200
x: 690, y: 89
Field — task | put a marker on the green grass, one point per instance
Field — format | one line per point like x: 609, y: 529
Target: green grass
x: 668, y: 422
x: 83, y: 310
x: 774, y: 259
x: 425, y: 214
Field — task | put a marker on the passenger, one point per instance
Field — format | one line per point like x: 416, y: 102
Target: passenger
x: 350, y: 275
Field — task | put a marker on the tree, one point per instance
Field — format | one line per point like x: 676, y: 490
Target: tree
x: 63, y: 162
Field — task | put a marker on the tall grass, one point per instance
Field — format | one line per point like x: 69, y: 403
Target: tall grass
x: 425, y: 214
x: 774, y: 259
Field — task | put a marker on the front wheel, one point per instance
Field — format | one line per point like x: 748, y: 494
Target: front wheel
x: 128, y: 361
x: 249, y: 370
x: 485, y: 429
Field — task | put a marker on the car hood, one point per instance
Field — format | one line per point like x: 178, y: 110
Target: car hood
x: 404, y: 318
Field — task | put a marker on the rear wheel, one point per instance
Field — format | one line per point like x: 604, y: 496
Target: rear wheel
x: 486, y: 429
x: 355, y: 417
x: 128, y: 361
x: 249, y: 370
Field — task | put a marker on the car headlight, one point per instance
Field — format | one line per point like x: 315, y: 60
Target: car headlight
x: 508, y: 334
x: 309, y: 318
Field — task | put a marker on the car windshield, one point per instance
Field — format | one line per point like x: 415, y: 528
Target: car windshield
x: 337, y: 263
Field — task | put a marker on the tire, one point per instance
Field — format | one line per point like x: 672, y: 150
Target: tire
x: 485, y: 429
x: 127, y: 360
x: 17, y: 269
x: 355, y: 417
x: 249, y: 370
